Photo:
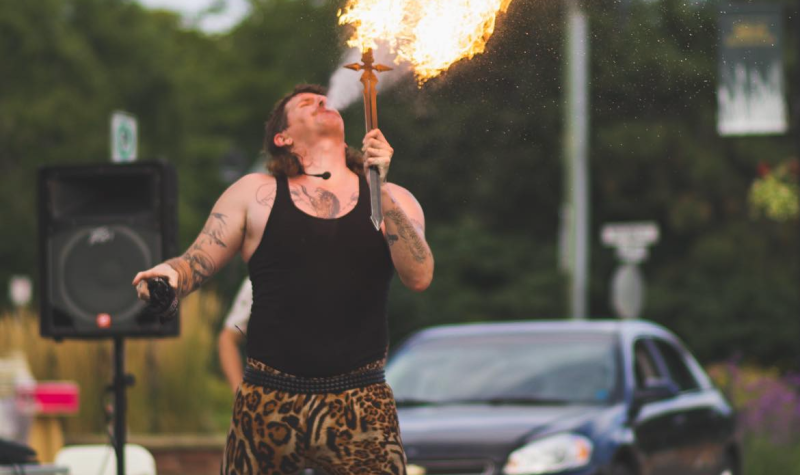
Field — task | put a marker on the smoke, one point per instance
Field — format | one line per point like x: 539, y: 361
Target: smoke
x: 345, y: 86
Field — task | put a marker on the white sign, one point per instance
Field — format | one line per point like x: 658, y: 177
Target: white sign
x: 627, y: 291
x: 20, y: 290
x: 124, y: 137
x: 630, y: 234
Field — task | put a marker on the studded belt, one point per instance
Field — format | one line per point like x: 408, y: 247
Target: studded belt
x: 297, y: 384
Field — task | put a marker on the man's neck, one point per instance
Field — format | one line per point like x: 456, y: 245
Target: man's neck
x: 324, y: 156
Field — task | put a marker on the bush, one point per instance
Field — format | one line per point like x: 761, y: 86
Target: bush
x: 768, y: 406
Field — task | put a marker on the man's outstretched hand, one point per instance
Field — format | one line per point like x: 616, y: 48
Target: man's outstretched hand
x: 157, y: 287
x: 163, y: 299
x: 161, y: 270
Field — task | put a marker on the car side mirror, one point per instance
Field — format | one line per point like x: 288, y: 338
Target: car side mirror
x: 655, y: 389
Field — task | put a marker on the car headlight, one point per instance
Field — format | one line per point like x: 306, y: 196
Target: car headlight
x: 549, y: 455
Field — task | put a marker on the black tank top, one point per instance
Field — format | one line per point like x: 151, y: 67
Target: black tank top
x: 320, y: 290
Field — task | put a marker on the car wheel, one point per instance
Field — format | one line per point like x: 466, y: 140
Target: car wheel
x: 622, y: 469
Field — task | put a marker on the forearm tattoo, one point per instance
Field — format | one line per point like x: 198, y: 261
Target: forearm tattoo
x: 406, y: 233
x: 196, y: 265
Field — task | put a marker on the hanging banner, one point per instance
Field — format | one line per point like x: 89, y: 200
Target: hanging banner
x: 751, y: 90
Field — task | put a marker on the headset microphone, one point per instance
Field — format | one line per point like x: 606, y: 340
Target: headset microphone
x: 324, y: 175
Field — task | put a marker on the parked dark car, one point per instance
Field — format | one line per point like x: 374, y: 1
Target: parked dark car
x: 566, y: 397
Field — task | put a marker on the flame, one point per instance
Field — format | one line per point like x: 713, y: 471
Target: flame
x: 429, y: 34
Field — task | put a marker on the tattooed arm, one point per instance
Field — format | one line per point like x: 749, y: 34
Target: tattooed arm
x: 404, y: 223
x: 221, y: 238
x: 404, y: 228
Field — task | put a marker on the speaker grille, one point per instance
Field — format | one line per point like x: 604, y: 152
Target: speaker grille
x: 95, y: 267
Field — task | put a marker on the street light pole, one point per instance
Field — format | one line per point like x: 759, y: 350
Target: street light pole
x: 796, y: 117
x: 576, y: 138
x: 797, y: 81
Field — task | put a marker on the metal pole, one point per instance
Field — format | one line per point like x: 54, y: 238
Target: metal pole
x: 120, y: 404
x: 797, y: 81
x: 576, y: 151
x: 796, y: 117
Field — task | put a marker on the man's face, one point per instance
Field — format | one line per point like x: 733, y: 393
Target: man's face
x: 308, y: 117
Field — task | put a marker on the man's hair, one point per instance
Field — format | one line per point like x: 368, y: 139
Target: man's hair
x: 284, y: 162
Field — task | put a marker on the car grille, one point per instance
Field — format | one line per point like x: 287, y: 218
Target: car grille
x: 455, y: 467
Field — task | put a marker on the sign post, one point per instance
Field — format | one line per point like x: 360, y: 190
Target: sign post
x: 627, y: 286
x: 124, y: 137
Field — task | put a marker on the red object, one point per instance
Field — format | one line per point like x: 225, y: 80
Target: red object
x: 763, y: 169
x: 103, y: 320
x: 59, y: 397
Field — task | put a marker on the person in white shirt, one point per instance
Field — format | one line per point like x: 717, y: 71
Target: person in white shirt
x: 232, y: 335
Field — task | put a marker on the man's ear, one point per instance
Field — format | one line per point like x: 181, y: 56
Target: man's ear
x: 282, y: 140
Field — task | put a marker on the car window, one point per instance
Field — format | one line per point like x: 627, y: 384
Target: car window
x: 542, y: 366
x: 644, y: 365
x: 678, y: 371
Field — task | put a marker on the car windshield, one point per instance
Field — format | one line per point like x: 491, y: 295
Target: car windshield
x: 541, y: 368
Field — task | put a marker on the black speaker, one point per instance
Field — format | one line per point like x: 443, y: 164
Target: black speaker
x: 98, y: 226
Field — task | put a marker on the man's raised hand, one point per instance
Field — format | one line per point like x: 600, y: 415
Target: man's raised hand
x: 377, y: 152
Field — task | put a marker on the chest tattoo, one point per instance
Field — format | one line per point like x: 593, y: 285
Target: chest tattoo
x: 324, y: 203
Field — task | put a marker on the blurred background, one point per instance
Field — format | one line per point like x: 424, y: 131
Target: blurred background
x: 482, y: 149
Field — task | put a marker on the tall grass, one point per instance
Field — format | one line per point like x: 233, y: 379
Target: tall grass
x: 176, y: 388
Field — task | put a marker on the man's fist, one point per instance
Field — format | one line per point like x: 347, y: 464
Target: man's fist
x: 161, y: 270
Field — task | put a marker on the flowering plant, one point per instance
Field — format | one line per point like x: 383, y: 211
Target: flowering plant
x: 775, y: 193
x: 767, y: 402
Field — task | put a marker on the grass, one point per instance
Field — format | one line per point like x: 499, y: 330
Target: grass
x: 765, y: 457
x: 176, y: 389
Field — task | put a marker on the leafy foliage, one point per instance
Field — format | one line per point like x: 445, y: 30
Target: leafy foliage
x: 776, y: 194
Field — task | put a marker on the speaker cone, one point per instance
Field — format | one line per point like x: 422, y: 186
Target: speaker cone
x: 96, y: 266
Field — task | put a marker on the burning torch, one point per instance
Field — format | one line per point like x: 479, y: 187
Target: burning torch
x: 370, y: 81
x: 413, y: 30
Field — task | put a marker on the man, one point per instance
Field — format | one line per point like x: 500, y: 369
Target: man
x: 232, y: 335
x: 314, y: 393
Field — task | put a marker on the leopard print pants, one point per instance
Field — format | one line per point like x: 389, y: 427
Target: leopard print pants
x: 346, y: 433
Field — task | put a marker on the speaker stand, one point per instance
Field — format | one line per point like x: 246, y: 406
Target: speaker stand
x: 120, y: 383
